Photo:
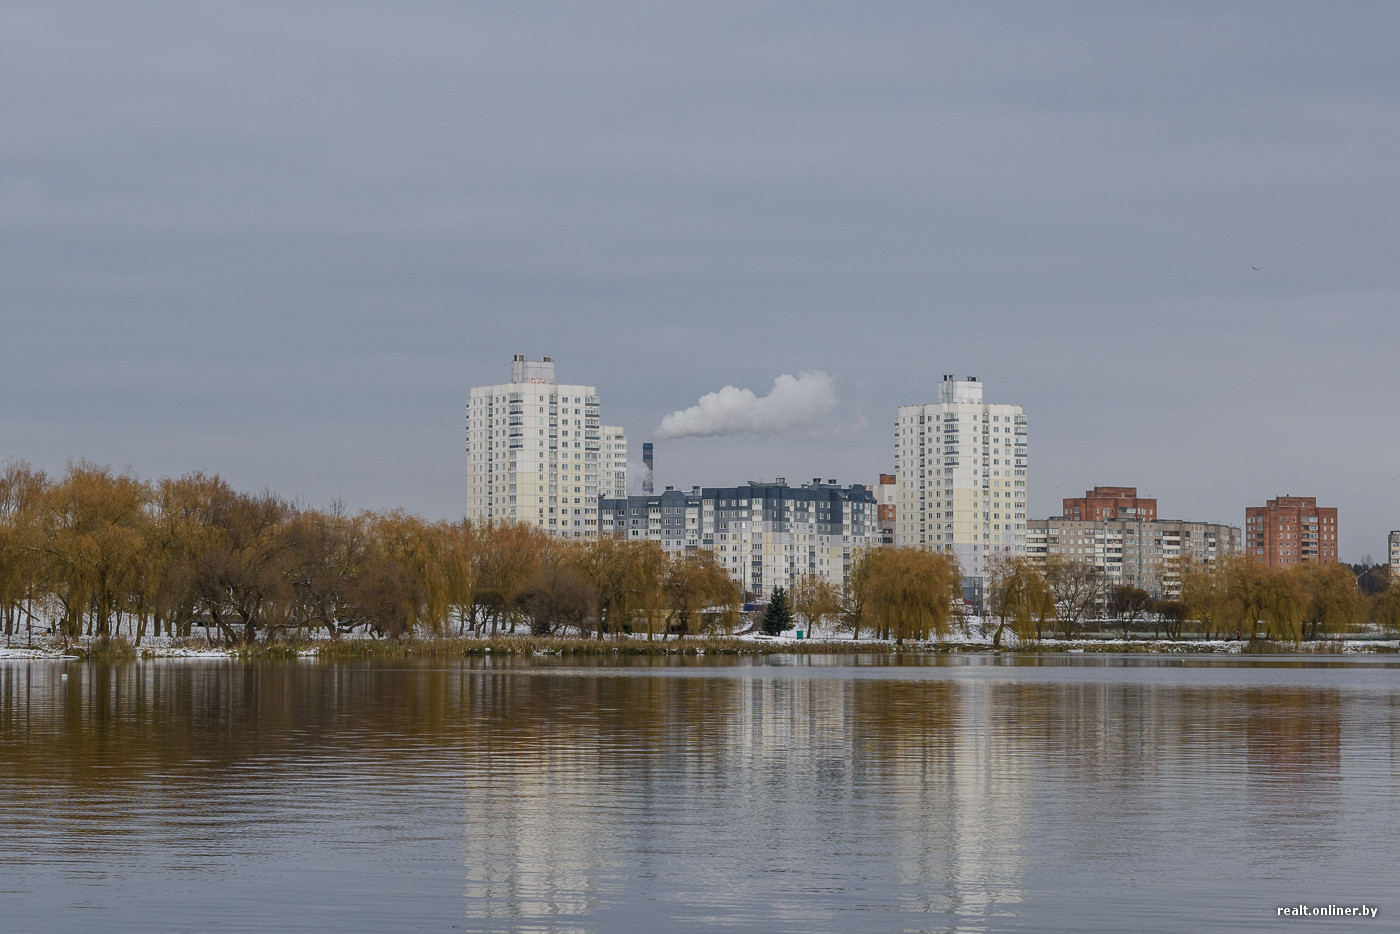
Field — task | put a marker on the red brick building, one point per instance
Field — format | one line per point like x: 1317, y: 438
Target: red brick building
x: 1291, y: 530
x: 1110, y: 502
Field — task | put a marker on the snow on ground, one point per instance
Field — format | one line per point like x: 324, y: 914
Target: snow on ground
x: 966, y: 635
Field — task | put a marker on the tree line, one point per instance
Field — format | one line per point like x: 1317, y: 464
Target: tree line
x: 1236, y: 596
x: 98, y: 553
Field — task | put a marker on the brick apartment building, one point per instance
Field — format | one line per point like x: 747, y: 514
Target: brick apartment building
x: 1291, y: 530
x: 1110, y: 502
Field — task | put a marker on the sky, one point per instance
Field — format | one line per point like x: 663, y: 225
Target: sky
x: 280, y: 242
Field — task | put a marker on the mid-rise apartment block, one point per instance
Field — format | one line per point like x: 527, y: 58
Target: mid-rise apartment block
x: 1110, y: 502
x: 535, y: 452
x: 885, y: 507
x: 960, y: 472
x: 765, y: 535
x: 1291, y: 530
x: 1133, y: 552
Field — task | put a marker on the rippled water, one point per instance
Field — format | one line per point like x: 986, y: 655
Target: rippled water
x: 965, y: 793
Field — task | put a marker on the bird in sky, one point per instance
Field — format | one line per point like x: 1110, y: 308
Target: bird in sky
x: 1256, y: 268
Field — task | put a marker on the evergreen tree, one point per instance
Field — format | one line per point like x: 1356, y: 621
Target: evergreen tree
x: 778, y: 615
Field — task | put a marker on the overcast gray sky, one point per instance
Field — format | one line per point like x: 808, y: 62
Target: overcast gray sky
x: 280, y: 242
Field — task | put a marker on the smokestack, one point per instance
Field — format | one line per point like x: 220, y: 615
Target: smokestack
x: 648, y: 461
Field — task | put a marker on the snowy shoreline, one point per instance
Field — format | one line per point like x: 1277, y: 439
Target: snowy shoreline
x: 756, y: 643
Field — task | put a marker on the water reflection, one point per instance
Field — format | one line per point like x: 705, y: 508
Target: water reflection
x: 826, y: 795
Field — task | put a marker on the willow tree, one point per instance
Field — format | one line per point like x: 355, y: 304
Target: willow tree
x: 506, y: 560
x: 181, y: 535
x: 1205, y: 597
x: 694, y: 583
x: 1245, y: 593
x: 1334, y: 604
x: 1283, y: 602
x: 428, y: 555
x: 327, y: 558
x: 561, y: 595
x: 93, y: 532
x: 906, y: 593
x: 607, y: 565
x: 238, y: 564
x: 1018, y: 593
x: 22, y: 490
x: 460, y: 545
x: 814, y: 598
x: 1385, y: 607
x: 643, y: 566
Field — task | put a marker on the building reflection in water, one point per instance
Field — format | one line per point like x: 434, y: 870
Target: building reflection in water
x: 958, y: 796
x: 750, y: 786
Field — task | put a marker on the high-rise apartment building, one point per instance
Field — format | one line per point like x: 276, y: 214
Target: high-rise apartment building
x: 612, y: 465
x: 1291, y: 530
x: 765, y: 535
x: 960, y: 471
x: 535, y: 452
x: 1394, y: 547
x: 1110, y: 502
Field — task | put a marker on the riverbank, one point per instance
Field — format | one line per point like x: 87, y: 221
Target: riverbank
x: 119, y: 650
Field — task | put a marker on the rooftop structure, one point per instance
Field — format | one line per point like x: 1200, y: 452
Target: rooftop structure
x: 1110, y: 502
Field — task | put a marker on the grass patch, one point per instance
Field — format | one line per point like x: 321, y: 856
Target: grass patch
x: 268, y: 650
x: 109, y: 649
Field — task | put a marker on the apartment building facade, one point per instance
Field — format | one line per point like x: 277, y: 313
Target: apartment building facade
x: 1133, y: 552
x: 961, y: 469
x: 1291, y: 530
x: 612, y: 463
x: 535, y: 452
x: 765, y: 535
x: 886, y: 507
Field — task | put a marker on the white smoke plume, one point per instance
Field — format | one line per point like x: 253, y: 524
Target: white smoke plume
x: 637, y: 476
x: 793, y: 402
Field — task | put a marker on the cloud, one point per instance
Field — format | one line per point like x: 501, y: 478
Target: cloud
x: 794, y: 402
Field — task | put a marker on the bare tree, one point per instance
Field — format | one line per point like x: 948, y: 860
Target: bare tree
x: 1076, y: 586
x: 1128, y: 605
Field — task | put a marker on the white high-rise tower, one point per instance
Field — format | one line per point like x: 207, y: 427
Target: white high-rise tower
x: 960, y: 475
x: 535, y: 452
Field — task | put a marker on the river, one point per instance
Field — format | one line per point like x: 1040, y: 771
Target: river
x: 948, y: 793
